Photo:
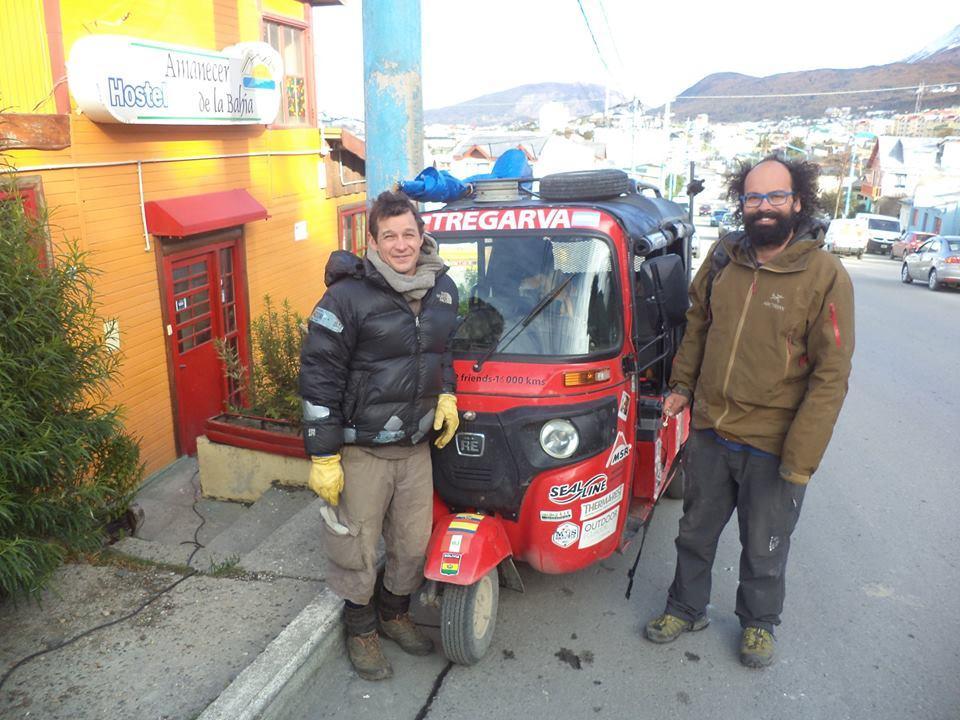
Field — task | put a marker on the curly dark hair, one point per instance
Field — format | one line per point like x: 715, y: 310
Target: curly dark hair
x: 391, y: 204
x: 803, y: 178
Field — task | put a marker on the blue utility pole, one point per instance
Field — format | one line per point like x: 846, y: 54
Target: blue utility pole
x: 393, y: 102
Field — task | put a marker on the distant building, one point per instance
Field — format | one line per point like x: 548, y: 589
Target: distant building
x: 935, y: 203
x: 546, y: 153
x: 896, y: 165
x: 927, y: 123
x: 478, y: 153
x: 553, y: 116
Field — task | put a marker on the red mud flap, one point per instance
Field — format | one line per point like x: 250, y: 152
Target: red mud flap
x: 465, y: 547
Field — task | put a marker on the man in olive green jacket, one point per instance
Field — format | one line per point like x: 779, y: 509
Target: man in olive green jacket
x: 765, y: 360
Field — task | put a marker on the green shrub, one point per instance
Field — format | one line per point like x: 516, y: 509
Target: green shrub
x: 66, y: 465
x: 270, y: 386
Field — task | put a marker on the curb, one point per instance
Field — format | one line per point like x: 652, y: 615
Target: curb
x: 284, y: 665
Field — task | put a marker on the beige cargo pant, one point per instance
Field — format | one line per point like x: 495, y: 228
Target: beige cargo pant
x: 386, y: 491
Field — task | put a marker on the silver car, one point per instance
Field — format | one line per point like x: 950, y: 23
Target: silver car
x: 936, y: 262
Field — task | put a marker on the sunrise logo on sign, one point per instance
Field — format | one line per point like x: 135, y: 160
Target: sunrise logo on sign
x: 259, y: 79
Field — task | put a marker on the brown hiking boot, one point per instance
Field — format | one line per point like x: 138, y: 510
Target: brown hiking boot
x: 668, y: 628
x: 403, y: 631
x: 756, y: 647
x: 367, y: 658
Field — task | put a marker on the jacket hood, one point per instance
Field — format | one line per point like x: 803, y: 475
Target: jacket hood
x: 342, y: 264
x: 808, y: 237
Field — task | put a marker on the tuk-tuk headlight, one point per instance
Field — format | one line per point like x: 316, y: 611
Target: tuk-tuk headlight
x: 559, y: 438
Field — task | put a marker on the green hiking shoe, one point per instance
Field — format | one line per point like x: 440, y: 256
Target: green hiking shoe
x: 668, y: 628
x: 403, y: 631
x: 756, y: 647
x: 367, y: 658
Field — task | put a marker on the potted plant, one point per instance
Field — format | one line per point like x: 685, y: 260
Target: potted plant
x: 269, y: 419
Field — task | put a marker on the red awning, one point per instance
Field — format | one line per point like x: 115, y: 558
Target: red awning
x: 182, y: 216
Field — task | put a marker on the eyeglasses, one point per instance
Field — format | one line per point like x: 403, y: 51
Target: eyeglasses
x: 775, y: 198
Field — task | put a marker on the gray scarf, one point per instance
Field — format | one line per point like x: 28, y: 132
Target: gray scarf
x: 412, y: 287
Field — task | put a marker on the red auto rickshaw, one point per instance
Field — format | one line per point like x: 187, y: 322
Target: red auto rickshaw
x: 573, y: 291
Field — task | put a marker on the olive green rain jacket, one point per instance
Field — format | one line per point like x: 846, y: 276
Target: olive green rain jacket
x: 766, y: 353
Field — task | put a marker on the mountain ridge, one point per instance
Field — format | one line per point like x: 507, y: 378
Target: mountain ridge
x: 522, y: 104
x: 934, y: 65
x: 940, y: 68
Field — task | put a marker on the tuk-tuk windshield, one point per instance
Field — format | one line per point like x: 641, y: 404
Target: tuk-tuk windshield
x: 501, y: 279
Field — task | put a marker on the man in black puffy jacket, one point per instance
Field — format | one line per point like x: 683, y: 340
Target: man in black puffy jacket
x: 376, y: 378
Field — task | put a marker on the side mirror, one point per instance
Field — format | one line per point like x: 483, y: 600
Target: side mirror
x: 663, y: 292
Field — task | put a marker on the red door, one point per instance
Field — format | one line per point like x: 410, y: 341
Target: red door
x: 203, y: 305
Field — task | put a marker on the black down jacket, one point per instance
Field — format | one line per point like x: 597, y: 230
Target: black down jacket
x: 370, y: 370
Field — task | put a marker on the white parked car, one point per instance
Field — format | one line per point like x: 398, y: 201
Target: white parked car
x: 847, y: 237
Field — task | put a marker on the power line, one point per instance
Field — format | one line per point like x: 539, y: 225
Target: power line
x: 926, y: 87
x: 613, y: 40
x: 812, y: 94
x: 467, y: 104
x: 593, y: 37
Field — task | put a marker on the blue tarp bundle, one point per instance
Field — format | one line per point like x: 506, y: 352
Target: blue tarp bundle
x: 433, y: 185
x: 512, y: 164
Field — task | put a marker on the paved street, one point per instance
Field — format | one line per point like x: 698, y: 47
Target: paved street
x: 872, y: 622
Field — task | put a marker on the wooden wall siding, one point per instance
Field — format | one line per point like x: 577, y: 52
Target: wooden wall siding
x: 352, y: 169
x: 213, y: 24
x: 289, y: 8
x: 25, y: 73
x: 100, y: 207
x: 199, y: 24
x: 26, y: 84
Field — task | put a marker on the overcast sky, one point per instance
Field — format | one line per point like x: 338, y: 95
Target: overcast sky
x: 652, y: 50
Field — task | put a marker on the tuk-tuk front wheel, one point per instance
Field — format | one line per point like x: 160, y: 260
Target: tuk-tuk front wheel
x: 468, y: 616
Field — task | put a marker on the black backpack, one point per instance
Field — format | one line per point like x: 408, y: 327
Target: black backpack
x: 718, y: 261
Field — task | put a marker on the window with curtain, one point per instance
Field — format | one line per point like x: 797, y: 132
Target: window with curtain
x: 291, y: 43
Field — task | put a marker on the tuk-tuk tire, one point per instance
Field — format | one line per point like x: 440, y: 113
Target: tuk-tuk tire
x: 465, y: 636
x: 584, y: 185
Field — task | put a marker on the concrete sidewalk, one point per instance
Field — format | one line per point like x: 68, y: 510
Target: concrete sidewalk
x: 137, y: 632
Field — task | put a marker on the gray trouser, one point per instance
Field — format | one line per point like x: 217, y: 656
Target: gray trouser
x: 718, y: 480
x: 392, y: 497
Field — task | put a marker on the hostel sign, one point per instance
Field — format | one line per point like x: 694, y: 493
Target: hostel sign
x: 121, y: 79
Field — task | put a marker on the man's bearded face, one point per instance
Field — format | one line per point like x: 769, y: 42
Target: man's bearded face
x: 769, y: 226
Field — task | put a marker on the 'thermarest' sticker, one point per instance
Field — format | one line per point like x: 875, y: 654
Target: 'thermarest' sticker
x: 601, y: 504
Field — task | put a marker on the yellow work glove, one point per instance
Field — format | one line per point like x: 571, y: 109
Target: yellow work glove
x: 326, y: 477
x: 446, y: 417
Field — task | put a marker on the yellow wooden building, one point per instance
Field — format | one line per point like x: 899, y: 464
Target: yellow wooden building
x: 176, y: 142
